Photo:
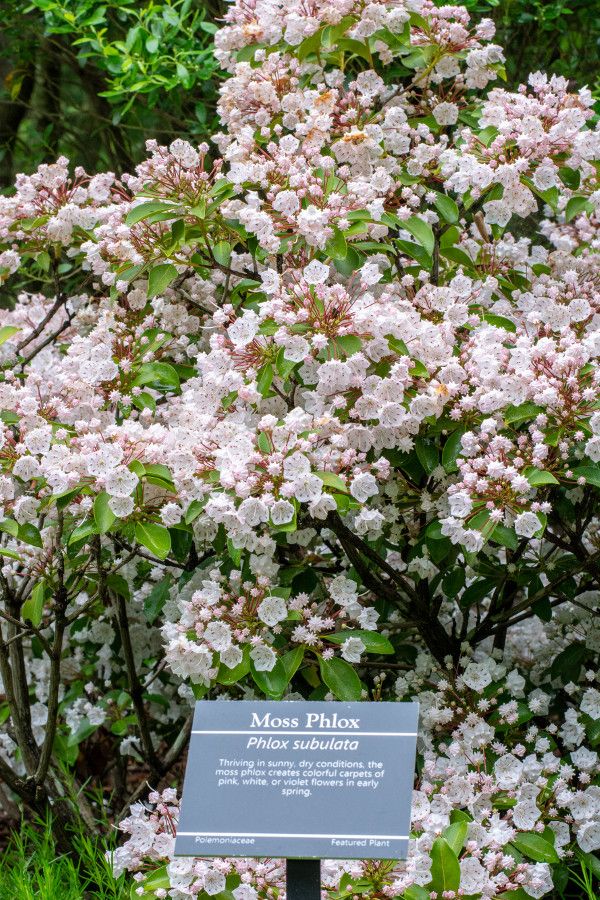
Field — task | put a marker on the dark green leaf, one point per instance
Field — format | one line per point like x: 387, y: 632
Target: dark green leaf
x: 445, y: 869
x: 340, y: 678
x: 160, y: 278
x: 156, y: 599
x: 535, y: 847
x: 103, y: 514
x: 154, y: 537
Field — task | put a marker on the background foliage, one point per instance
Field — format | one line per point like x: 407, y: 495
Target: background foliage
x: 93, y: 79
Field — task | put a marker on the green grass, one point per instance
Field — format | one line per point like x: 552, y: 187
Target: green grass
x: 31, y: 868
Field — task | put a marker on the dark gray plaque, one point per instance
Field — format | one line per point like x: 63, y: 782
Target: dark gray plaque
x: 299, y: 779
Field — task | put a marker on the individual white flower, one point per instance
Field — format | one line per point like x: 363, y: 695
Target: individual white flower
x: 588, y: 837
x: 38, y: 440
x: 352, y: 649
x: 231, y: 657
x: 282, y: 512
x: 363, y: 486
x: 471, y: 540
x: 460, y: 504
x: 590, y: 703
x: 476, y: 676
x: 121, y: 506
x: 342, y: 590
x: 473, y: 876
x: 526, y: 814
x: 171, y: 514
x: 539, y: 881
x: 294, y: 465
x: 263, y: 658
x: 592, y: 448
x: 446, y: 113
x: 584, y: 759
x: 218, y: 635
x: 272, y: 610
x: 245, y: 892
x: 307, y: 488
x: 214, y: 882
x: 526, y: 524
x: 315, y: 272
x: 244, y: 329
x: 508, y: 771
x: 253, y: 512
x: 367, y: 618
x: 121, y: 482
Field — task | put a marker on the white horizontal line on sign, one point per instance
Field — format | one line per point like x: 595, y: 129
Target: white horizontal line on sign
x: 379, y: 837
x: 282, y: 732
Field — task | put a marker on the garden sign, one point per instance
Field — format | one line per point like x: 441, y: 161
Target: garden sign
x: 301, y: 780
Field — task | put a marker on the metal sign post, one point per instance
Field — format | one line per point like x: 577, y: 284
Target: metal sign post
x: 303, y: 879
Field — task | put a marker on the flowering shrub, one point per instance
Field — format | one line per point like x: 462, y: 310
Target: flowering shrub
x: 284, y: 421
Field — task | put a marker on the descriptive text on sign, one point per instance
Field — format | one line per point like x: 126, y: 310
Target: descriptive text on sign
x: 299, y: 780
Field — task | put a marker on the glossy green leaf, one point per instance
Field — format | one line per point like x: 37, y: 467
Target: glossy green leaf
x: 535, y: 847
x: 537, y: 477
x: 373, y: 641
x: 330, y: 479
x: 156, y: 599
x: 153, y: 537
x: 33, y: 607
x: 590, y: 473
x: 160, y: 278
x: 272, y: 683
x: 455, y: 835
x: 447, y: 208
x: 341, y: 678
x: 103, y: 514
x: 144, y: 210
x: 451, y: 450
x: 6, y: 332
x: 421, y: 231
x: 445, y: 868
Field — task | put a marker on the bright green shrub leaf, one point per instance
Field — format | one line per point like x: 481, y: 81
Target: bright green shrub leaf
x: 427, y: 454
x: 33, y: 607
x: 500, y: 322
x: 456, y: 835
x: 222, y: 252
x: 535, y: 847
x: 103, y: 514
x: 514, y: 415
x: 337, y: 247
x: 505, y: 536
x: 227, y: 676
x: 154, y: 537
x: 422, y: 232
x: 30, y: 534
x: 445, y: 869
x: 330, y: 479
x: 160, y: 278
x: 272, y: 683
x: 536, y: 477
x: 156, y: 599
x: 447, y: 208
x: 7, y: 332
x: 265, y: 377
x: 451, y: 450
x: 159, y: 376
x: 374, y: 642
x: 144, y: 210
x: 340, y: 678
x: 590, y: 473
x: 292, y: 660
